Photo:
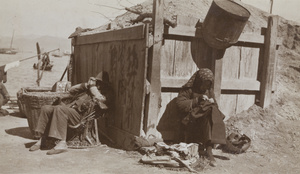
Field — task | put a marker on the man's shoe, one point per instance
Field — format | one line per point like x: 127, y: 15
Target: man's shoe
x: 35, y: 147
x: 56, y: 151
x: 59, y: 148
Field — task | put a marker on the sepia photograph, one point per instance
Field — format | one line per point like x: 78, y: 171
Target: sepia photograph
x: 149, y: 86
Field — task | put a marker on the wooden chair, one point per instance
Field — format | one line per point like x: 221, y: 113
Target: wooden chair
x: 85, y: 133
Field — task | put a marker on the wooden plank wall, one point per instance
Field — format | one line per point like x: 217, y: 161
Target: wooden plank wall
x: 125, y: 60
x: 240, y: 64
x: 176, y: 63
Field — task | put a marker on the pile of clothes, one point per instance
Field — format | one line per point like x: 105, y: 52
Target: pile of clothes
x: 176, y: 155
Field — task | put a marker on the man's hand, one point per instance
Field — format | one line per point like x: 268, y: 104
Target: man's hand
x: 100, y: 103
x: 91, y: 82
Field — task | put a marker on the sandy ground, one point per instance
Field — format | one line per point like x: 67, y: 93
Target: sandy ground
x: 278, y: 154
x: 15, y: 157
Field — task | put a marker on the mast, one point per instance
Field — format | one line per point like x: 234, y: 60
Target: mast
x: 271, y: 6
x: 11, y: 42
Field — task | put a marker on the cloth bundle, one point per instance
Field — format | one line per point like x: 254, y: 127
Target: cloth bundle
x: 236, y: 143
x: 176, y: 155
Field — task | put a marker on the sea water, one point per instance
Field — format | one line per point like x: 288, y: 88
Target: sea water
x: 25, y: 76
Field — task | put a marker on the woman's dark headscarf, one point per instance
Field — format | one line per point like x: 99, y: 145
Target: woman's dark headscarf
x: 199, y: 77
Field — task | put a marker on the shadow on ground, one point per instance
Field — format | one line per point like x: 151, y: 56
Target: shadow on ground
x: 23, y: 132
x: 17, y: 114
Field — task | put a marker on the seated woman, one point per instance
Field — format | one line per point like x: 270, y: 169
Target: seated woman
x: 202, y: 119
x: 54, y: 119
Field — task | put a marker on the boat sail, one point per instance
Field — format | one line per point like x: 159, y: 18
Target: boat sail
x: 10, y: 50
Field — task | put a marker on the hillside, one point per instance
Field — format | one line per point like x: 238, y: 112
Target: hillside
x: 28, y: 43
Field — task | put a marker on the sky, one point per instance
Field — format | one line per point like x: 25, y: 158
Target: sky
x: 288, y: 9
x: 59, y: 18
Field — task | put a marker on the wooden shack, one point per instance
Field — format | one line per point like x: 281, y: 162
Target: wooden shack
x: 148, y: 69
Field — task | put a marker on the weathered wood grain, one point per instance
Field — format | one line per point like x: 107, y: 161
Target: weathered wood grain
x: 125, y: 61
x: 130, y: 33
x: 154, y: 74
x: 269, y: 61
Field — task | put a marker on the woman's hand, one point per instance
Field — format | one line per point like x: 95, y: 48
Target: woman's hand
x: 205, y: 98
x: 211, y: 100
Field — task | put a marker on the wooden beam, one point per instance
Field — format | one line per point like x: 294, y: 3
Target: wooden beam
x: 269, y: 62
x: 154, y: 74
x: 217, y: 66
x: 247, y: 85
x: 174, y: 82
x: 234, y: 84
x: 38, y: 63
x: 130, y: 33
x: 187, y: 33
x: 182, y: 30
x: 179, y: 37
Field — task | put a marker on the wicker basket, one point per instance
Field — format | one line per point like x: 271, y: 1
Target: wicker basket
x: 30, y: 101
x: 21, y: 99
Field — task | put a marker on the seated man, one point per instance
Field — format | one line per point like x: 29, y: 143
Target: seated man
x: 54, y: 119
x: 4, y: 95
x: 4, y: 98
x: 45, y: 59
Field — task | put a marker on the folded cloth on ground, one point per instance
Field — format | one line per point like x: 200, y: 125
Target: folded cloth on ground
x: 159, y: 160
x: 186, y: 151
x: 145, y: 142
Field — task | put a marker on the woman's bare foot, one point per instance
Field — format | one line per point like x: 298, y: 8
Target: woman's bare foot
x: 211, y: 158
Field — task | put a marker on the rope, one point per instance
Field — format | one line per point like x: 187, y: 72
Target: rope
x: 38, y: 55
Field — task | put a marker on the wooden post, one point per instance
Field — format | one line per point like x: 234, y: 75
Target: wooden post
x: 217, y: 66
x: 38, y: 63
x: 269, y: 62
x: 154, y: 72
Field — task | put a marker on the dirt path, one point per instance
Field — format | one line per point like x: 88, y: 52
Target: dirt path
x: 15, y: 158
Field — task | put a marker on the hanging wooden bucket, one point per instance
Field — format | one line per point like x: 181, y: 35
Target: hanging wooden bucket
x: 224, y: 23
x: 32, y: 99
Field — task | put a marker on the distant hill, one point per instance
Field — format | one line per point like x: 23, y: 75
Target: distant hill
x: 28, y: 43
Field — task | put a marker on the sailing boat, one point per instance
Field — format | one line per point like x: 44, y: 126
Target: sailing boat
x: 9, y: 50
